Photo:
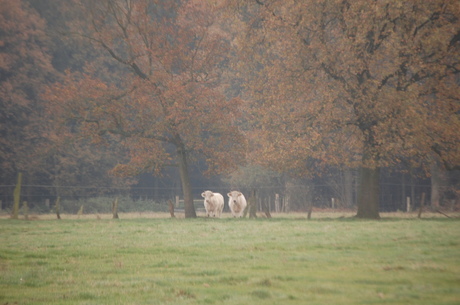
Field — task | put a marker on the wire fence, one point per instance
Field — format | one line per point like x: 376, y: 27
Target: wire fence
x: 273, y: 198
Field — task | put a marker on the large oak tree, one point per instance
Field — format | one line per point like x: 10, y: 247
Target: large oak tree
x: 353, y: 84
x: 159, y: 93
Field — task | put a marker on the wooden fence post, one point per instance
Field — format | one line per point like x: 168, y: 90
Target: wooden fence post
x: 310, y: 210
x: 277, y: 203
x: 80, y: 212
x: 286, y: 203
x: 171, y: 208
x: 57, y: 207
x: 422, y: 203
x: 17, y: 197
x: 25, y: 209
x: 115, y: 209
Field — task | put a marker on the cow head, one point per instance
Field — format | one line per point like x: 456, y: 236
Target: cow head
x: 207, y: 195
x: 233, y: 195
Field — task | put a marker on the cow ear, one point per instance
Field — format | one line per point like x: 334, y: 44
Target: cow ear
x: 203, y: 195
x: 239, y: 193
x: 229, y: 194
x: 212, y: 194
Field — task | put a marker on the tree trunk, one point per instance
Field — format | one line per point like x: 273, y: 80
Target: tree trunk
x: 369, y: 193
x: 185, y: 181
x: 348, y: 187
x: 369, y: 178
x: 252, y: 205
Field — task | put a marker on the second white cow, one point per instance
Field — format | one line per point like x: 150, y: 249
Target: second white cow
x: 237, y: 203
x: 213, y: 203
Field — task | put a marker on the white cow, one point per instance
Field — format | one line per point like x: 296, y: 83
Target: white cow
x: 237, y: 203
x: 213, y: 203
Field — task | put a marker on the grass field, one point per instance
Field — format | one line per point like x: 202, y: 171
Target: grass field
x: 283, y: 260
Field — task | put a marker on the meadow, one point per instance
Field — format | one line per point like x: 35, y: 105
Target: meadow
x: 284, y: 260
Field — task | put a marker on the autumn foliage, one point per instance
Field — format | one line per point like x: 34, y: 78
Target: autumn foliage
x: 24, y: 66
x: 365, y: 84
x: 302, y: 88
x: 163, y: 99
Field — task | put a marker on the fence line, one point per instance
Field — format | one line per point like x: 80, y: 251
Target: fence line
x: 203, y: 187
x: 393, y: 196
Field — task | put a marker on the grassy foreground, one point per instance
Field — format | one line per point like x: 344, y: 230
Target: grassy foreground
x: 283, y: 260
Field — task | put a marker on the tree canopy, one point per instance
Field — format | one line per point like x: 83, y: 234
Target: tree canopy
x: 25, y: 65
x: 353, y: 84
x: 250, y: 88
x: 164, y: 100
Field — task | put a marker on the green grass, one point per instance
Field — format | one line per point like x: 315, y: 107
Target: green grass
x: 284, y: 260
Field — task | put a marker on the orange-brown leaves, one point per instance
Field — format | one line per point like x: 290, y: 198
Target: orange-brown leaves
x: 165, y: 92
x: 333, y: 81
x: 24, y: 66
